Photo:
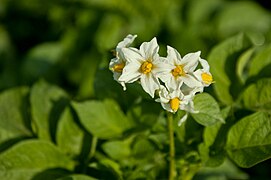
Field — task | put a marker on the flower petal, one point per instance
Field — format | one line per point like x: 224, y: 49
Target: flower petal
x: 162, y: 68
x: 149, y: 49
x: 204, y: 65
x: 130, y: 73
x: 127, y: 41
x: 149, y: 83
x: 172, y: 83
x: 132, y: 55
x: 183, y: 119
x: 167, y: 107
x: 191, y: 61
x: 190, y: 81
x: 173, y: 56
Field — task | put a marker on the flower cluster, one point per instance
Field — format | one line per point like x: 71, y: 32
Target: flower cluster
x: 175, y: 78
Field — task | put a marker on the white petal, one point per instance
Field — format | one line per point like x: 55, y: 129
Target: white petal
x: 172, y: 83
x: 132, y: 55
x: 191, y: 61
x: 205, y: 65
x: 163, y: 94
x: 123, y: 85
x: 116, y: 75
x: 130, y: 73
x: 198, y: 73
x: 162, y: 68
x: 149, y: 49
x: 167, y: 107
x: 183, y: 119
x: 127, y: 41
x: 149, y: 83
x: 190, y: 81
x: 176, y: 93
x: 113, y: 62
x: 173, y: 56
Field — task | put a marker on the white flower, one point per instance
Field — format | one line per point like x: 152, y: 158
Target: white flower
x: 142, y: 64
x: 174, y: 100
x: 177, y: 70
x: 117, y: 64
x: 204, y: 75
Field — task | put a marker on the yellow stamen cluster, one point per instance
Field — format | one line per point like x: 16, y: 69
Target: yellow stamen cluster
x: 178, y: 71
x: 118, y: 67
x: 207, y: 78
x: 174, y: 104
x: 146, y: 67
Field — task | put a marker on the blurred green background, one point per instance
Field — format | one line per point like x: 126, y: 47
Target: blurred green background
x: 69, y: 42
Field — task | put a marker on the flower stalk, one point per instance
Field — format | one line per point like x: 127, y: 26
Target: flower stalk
x: 172, y: 168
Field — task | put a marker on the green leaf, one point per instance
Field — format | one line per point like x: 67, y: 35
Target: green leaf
x: 118, y: 150
x: 14, y: 117
x: 252, y: 19
x: 211, y: 150
x: 225, y: 171
x: 261, y: 63
x: 28, y: 158
x: 249, y: 140
x: 145, y: 152
x: 242, y: 64
x: 258, y: 95
x: 77, y: 177
x: 208, y: 110
x: 47, y: 102
x: 113, y: 167
x: 222, y: 60
x: 41, y: 59
x: 69, y: 136
x: 103, y: 119
x: 107, y: 39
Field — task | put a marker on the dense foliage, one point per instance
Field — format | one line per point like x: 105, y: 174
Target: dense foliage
x: 62, y: 116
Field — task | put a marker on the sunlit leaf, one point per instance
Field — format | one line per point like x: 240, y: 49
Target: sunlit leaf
x: 222, y: 61
x: 47, y: 102
x: 28, y: 158
x: 258, y: 95
x: 69, y: 136
x: 103, y: 119
x: 253, y: 18
x: 249, y: 140
x: 14, y: 117
x: 242, y: 65
x: 227, y: 170
x: 261, y: 63
x: 77, y: 177
x: 117, y: 149
x: 208, y: 110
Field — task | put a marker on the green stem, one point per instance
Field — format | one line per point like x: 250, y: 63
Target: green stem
x: 172, y: 169
x: 93, y: 146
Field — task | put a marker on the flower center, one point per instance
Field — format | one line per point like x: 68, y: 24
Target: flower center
x: 174, y: 104
x: 178, y: 71
x: 146, y: 67
x: 207, y: 78
x: 118, y: 67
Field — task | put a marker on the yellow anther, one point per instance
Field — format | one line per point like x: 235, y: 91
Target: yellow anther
x: 178, y: 71
x: 174, y: 104
x: 146, y: 67
x: 118, y: 67
x: 207, y: 78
